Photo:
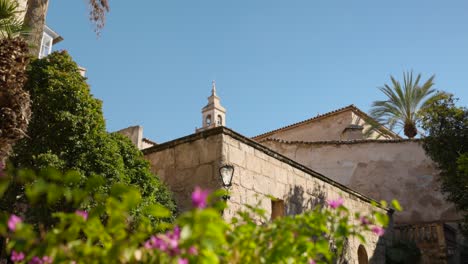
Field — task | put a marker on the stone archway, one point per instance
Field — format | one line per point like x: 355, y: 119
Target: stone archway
x: 362, y: 255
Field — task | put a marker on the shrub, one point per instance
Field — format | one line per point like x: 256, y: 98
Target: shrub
x: 108, y: 233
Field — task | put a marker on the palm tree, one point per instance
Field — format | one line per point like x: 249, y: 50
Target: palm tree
x: 14, y: 101
x: 404, y: 103
x: 36, y: 14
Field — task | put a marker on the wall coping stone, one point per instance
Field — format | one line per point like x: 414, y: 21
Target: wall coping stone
x: 342, y: 142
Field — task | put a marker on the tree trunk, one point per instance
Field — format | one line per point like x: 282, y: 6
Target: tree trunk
x: 14, y: 101
x: 410, y: 130
x: 34, y: 21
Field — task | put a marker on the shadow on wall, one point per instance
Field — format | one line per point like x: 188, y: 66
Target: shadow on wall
x: 298, y: 201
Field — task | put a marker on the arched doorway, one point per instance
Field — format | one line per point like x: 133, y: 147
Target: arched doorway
x: 362, y: 255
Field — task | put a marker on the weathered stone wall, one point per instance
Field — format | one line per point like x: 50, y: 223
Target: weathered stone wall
x: 22, y: 5
x: 259, y: 173
x: 329, y: 128
x: 399, y: 170
x: 194, y: 161
x: 326, y: 128
x: 186, y: 163
x: 135, y: 134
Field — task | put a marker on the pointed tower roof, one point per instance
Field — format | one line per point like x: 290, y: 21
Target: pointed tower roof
x: 214, y: 100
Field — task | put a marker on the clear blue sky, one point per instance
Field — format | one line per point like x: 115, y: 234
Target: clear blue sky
x: 275, y: 62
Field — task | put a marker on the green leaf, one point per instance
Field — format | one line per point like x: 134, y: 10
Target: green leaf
x: 396, y: 205
x: 157, y: 211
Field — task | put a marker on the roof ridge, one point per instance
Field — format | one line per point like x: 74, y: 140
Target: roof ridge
x: 351, y: 106
x: 344, y: 142
x: 149, y: 141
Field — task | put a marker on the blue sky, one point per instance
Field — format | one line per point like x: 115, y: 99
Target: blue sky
x: 274, y: 62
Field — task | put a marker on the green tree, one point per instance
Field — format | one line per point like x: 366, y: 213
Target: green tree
x: 446, y: 143
x: 14, y: 101
x: 404, y: 103
x: 67, y: 132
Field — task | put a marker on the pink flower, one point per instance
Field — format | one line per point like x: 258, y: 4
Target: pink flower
x: 47, y: 260
x: 35, y: 260
x: 378, y: 230
x: 13, y: 221
x: 183, y: 261
x: 82, y: 213
x: 16, y: 256
x: 199, y: 197
x: 364, y: 220
x: 193, y: 250
x: 311, y: 261
x: 335, y: 203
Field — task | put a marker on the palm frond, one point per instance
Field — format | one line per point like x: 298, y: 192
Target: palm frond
x: 10, y: 23
x: 404, y: 101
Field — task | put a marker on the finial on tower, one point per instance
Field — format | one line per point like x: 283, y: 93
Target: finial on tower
x: 213, y: 88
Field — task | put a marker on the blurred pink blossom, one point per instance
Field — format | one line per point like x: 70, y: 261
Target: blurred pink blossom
x: 364, y: 220
x: 199, y: 197
x: 335, y: 203
x: 82, y: 213
x: 16, y: 256
x: 13, y: 221
x: 378, y: 230
x: 193, y: 250
x: 183, y: 261
x: 35, y: 260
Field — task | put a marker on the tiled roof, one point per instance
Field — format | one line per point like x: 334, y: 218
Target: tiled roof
x: 382, y: 129
x: 149, y: 141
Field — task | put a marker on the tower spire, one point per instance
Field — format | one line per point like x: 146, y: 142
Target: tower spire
x: 213, y: 88
x: 213, y: 114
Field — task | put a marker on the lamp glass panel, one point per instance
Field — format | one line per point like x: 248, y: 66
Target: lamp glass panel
x: 226, y: 175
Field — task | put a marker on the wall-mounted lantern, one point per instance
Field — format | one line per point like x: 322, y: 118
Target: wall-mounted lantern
x: 226, y: 172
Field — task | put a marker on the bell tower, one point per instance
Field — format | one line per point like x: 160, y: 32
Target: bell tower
x: 213, y: 114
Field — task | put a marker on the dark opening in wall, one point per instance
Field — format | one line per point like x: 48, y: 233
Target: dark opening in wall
x: 277, y: 209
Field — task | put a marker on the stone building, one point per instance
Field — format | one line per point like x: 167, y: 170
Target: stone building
x: 339, y: 153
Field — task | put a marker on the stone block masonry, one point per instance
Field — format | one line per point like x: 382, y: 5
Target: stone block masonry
x: 259, y: 173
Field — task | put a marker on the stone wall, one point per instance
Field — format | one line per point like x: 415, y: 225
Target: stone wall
x: 380, y: 169
x: 22, y: 6
x: 186, y: 163
x: 325, y: 128
x: 260, y: 172
x: 135, y: 134
x: 194, y: 161
x: 328, y: 128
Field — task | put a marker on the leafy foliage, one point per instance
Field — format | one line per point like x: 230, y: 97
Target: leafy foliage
x: 447, y: 144
x: 109, y: 234
x: 10, y: 24
x: 67, y: 132
x: 404, y: 102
